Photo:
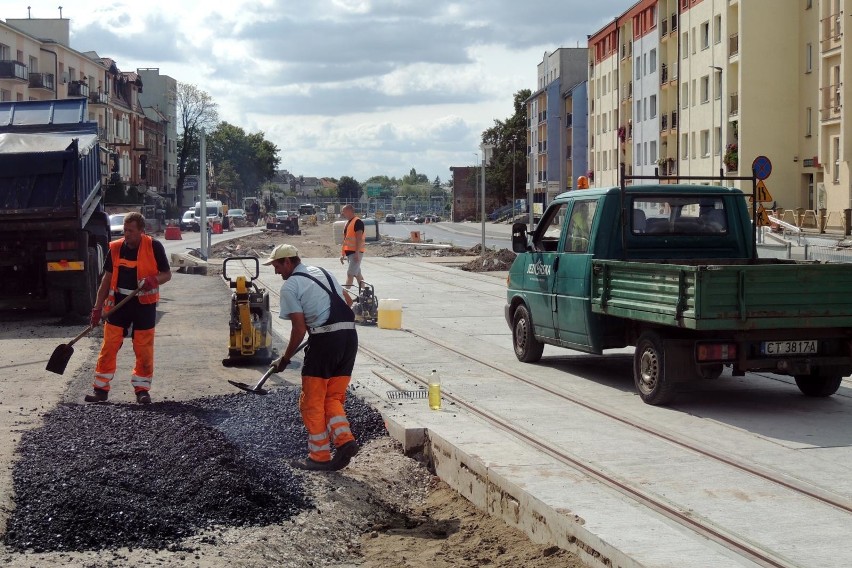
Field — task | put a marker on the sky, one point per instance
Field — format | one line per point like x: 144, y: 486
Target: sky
x: 343, y: 87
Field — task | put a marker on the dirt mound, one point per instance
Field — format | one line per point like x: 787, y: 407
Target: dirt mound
x: 492, y: 260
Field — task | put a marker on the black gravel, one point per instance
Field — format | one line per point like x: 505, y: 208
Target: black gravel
x: 118, y: 475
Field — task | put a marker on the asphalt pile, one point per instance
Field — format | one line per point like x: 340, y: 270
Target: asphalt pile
x: 119, y: 475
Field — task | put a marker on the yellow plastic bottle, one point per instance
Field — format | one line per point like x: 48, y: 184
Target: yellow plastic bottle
x: 434, y: 390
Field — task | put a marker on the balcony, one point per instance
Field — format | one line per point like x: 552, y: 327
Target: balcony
x: 627, y: 91
x: 14, y: 70
x: 674, y: 22
x: 664, y: 123
x: 830, y: 103
x: 78, y: 89
x: 664, y: 74
x: 674, y: 120
x: 734, y: 104
x: 664, y: 27
x: 45, y: 81
x: 831, y: 32
x: 98, y: 98
x: 733, y: 45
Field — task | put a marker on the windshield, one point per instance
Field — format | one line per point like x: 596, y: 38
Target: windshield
x: 116, y: 219
x: 188, y: 215
x: 236, y: 212
x: 679, y: 215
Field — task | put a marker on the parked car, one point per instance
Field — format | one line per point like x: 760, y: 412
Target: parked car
x: 390, y: 218
x: 186, y: 222
x: 419, y: 219
x: 116, y: 226
x: 282, y: 215
x: 237, y: 217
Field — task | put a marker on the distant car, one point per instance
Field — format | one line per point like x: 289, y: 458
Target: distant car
x: 282, y: 215
x: 186, y: 222
x: 238, y: 217
x: 419, y: 219
x: 433, y: 218
x: 116, y: 226
x: 390, y: 218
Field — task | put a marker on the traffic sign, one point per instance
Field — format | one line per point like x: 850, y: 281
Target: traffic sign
x: 763, y: 194
x: 762, y: 217
x: 762, y: 167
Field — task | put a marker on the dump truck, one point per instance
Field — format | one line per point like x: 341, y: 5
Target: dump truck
x: 53, y: 229
x: 672, y: 269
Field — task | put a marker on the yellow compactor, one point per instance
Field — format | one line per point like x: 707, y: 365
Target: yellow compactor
x: 250, y: 337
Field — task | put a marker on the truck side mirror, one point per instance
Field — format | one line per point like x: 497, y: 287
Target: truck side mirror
x: 520, y: 239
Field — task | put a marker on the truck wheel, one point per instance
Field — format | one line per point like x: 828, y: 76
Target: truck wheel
x: 818, y: 385
x: 527, y: 348
x: 649, y: 370
x: 83, y: 300
x: 57, y: 301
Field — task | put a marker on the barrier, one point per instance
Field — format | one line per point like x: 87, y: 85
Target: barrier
x: 217, y: 228
x: 173, y: 233
x: 415, y: 237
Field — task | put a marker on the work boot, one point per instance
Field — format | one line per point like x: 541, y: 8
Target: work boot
x: 142, y: 397
x: 99, y: 395
x: 344, y: 455
x: 310, y: 464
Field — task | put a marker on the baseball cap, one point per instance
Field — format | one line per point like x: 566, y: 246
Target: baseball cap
x: 281, y: 251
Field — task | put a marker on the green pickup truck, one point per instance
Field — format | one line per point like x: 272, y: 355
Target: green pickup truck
x: 672, y: 270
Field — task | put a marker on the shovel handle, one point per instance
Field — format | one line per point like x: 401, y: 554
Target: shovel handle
x: 86, y: 331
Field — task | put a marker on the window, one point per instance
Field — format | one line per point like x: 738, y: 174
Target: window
x: 684, y: 146
x: 705, y: 89
x: 809, y: 57
x: 694, y: 93
x: 644, y: 64
x: 653, y: 151
x: 717, y: 137
x: 705, y: 35
x: 717, y: 29
x: 684, y: 95
x: 638, y: 110
x: 638, y: 68
x: 653, y: 61
x: 718, y: 87
x: 684, y: 42
x: 579, y: 226
x: 694, y: 37
x: 808, y: 4
x: 638, y: 154
x: 605, y: 90
x: 808, y: 118
x: 835, y: 156
x: 653, y: 103
x: 705, y: 143
x: 5, y: 95
x: 5, y: 52
x: 692, y: 144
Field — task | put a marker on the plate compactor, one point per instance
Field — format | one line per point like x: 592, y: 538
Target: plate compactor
x: 250, y: 324
x: 365, y: 304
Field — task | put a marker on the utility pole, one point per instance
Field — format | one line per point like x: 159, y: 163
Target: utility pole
x: 514, y: 139
x: 721, y: 118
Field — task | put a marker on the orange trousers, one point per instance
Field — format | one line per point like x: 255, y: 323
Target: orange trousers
x: 321, y: 405
x: 143, y: 347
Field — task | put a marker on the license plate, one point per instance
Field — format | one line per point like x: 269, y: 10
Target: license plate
x: 777, y: 348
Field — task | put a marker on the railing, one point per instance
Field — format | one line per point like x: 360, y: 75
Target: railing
x: 664, y: 74
x: 831, y: 31
x: 664, y: 122
x: 78, y: 89
x: 664, y: 27
x: 98, y: 98
x: 674, y: 119
x: 831, y: 103
x: 674, y: 22
x: 42, y: 81
x: 734, y: 104
x: 733, y: 44
x: 13, y: 70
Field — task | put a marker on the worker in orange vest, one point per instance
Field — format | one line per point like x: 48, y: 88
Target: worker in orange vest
x: 353, y: 245
x: 133, y: 260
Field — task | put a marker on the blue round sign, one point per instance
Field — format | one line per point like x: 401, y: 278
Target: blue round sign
x: 762, y: 167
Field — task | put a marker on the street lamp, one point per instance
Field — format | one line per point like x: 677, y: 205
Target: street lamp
x: 486, y: 157
x: 721, y: 118
x: 514, y: 138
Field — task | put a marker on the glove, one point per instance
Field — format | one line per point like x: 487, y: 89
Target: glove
x: 150, y: 282
x: 280, y: 364
x: 95, y: 318
x: 341, y: 258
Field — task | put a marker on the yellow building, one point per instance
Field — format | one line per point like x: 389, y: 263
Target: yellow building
x: 701, y: 86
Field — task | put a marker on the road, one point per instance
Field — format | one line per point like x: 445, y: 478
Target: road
x: 464, y: 235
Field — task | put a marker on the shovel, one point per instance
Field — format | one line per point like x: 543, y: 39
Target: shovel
x: 62, y: 354
x: 258, y: 388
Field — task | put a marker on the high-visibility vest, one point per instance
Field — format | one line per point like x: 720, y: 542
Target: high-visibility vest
x: 145, y: 265
x: 350, y: 242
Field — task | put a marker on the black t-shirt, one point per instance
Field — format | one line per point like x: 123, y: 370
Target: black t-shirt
x: 127, y: 277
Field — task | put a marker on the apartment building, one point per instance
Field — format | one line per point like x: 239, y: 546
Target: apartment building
x: 552, y: 123
x: 37, y: 63
x: 160, y: 95
x: 701, y: 86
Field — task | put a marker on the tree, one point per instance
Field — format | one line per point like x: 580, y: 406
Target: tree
x: 252, y: 157
x: 437, y: 183
x: 498, y: 176
x: 196, y: 111
x: 348, y: 188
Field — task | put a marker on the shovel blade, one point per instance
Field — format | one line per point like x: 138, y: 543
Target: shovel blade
x: 59, y: 359
x: 249, y: 388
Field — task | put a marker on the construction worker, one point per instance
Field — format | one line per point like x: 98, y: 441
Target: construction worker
x: 353, y: 245
x: 313, y: 301
x: 133, y: 261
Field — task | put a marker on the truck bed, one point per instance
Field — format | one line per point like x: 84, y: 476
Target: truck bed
x: 725, y: 295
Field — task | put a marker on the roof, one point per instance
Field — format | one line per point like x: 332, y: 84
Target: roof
x: 651, y: 188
